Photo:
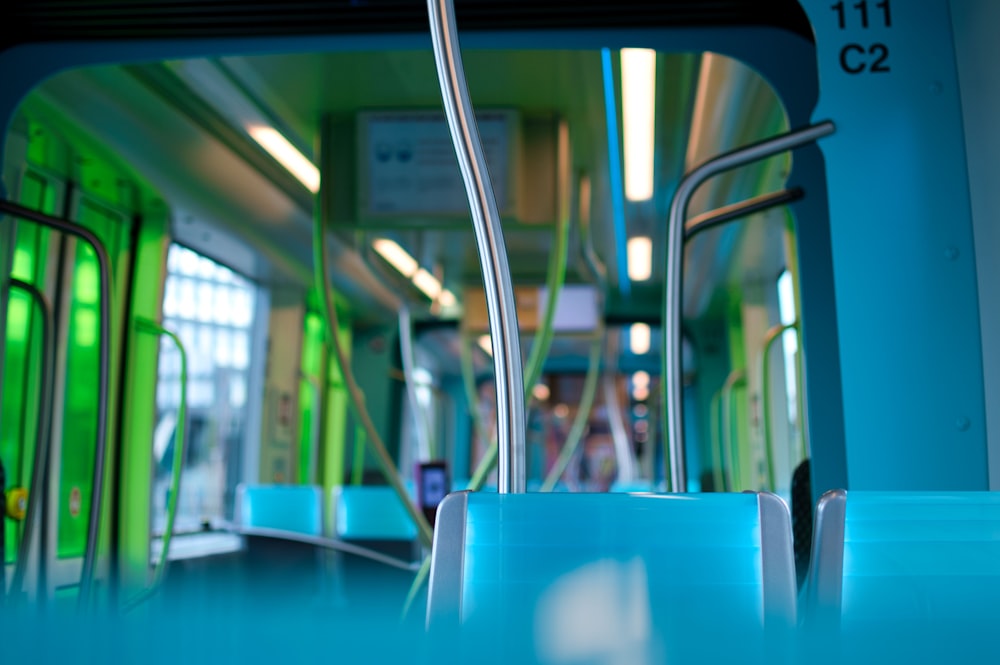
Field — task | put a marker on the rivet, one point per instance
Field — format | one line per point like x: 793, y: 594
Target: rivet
x: 951, y: 252
x: 962, y: 424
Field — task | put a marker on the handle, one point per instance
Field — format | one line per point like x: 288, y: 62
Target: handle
x: 770, y: 336
x: 100, y: 454
x: 672, y: 357
x: 180, y: 443
x: 738, y: 377
x: 39, y: 472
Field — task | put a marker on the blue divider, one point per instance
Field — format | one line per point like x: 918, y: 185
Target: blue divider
x: 296, y: 508
x: 371, y: 512
x: 562, y: 577
x: 910, y: 575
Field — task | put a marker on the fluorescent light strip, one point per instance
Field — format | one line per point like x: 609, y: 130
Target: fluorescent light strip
x: 287, y: 155
x: 638, y: 120
x: 638, y: 338
x: 640, y: 258
x: 486, y: 344
x: 397, y: 257
x: 427, y: 283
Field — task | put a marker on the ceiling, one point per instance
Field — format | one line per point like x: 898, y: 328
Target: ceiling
x: 177, y: 124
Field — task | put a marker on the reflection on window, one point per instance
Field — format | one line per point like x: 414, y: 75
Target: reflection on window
x: 211, y: 309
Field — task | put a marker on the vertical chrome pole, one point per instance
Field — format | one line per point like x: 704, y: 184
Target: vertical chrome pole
x: 672, y: 362
x: 489, y: 239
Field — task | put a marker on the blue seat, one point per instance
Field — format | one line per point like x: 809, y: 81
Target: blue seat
x: 370, y: 512
x: 294, y: 508
x: 654, y: 578
x: 909, y: 576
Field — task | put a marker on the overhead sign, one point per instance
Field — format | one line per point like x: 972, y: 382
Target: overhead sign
x: 408, y: 167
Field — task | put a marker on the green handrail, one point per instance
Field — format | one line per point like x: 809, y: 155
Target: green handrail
x: 738, y: 377
x: 770, y: 336
x: 180, y: 442
x: 715, y: 440
x: 575, y: 435
x: 357, y: 400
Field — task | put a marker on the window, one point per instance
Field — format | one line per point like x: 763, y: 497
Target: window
x: 212, y: 310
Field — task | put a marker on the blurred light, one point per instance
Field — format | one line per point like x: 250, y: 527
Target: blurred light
x: 640, y: 379
x: 638, y: 120
x: 640, y: 258
x: 397, y: 257
x: 640, y: 393
x: 427, y: 283
x: 287, y: 155
x: 486, y: 344
x: 447, y: 298
x: 638, y: 338
x: 561, y: 411
x: 541, y: 392
x: 640, y: 411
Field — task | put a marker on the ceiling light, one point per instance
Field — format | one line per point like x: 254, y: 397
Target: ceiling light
x: 640, y: 393
x: 486, y: 344
x: 397, y: 257
x: 638, y: 338
x: 640, y: 258
x: 287, y: 155
x: 638, y: 120
x: 447, y: 299
x: 640, y: 379
x: 427, y: 283
x: 541, y: 392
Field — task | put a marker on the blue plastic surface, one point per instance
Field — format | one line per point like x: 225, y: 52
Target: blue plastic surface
x: 297, y: 508
x: 372, y: 512
x: 557, y: 571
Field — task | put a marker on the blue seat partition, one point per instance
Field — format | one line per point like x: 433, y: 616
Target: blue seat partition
x: 370, y: 512
x: 295, y: 508
x: 909, y: 576
x: 647, y: 578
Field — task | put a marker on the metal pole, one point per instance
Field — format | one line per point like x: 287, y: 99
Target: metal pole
x: 736, y: 378
x: 765, y: 394
x: 423, y: 430
x: 39, y: 471
x: 489, y: 239
x: 104, y: 370
x: 180, y: 443
x: 734, y: 211
x: 672, y: 357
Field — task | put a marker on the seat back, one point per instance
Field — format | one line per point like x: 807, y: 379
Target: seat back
x: 295, y: 508
x: 370, y: 512
x: 565, y: 576
x: 918, y: 570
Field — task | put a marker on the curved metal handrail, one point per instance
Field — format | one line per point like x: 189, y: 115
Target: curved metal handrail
x: 738, y: 377
x: 732, y: 212
x: 490, y: 243
x: 43, y: 444
x: 104, y: 371
x: 672, y: 355
x: 407, y: 355
x: 575, y: 435
x: 773, y: 333
x: 180, y: 444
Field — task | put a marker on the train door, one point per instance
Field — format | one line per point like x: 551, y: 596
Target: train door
x: 65, y: 272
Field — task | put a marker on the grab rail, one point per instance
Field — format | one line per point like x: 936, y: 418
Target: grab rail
x: 407, y: 354
x: 104, y: 371
x: 770, y: 336
x: 490, y: 243
x: 180, y: 444
x: 575, y: 435
x: 672, y: 357
x: 738, y: 377
x: 712, y: 218
x: 39, y: 471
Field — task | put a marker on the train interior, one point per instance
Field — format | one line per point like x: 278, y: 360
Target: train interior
x: 188, y: 446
